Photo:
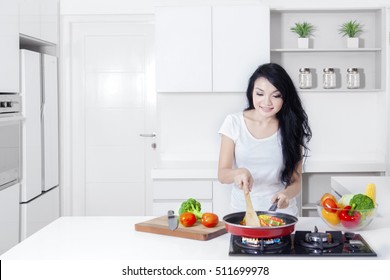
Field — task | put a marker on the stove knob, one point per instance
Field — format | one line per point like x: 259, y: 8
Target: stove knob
x: 349, y: 235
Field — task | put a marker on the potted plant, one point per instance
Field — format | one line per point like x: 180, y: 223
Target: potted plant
x: 351, y: 29
x: 303, y: 30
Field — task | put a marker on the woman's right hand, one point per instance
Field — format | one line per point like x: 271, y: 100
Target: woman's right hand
x: 244, y: 180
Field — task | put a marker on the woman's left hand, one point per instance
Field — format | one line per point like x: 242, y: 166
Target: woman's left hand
x: 283, y: 200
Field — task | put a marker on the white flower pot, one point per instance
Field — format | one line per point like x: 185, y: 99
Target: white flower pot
x: 303, y: 43
x: 353, y: 43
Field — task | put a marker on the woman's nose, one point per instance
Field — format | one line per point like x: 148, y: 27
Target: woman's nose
x: 267, y: 100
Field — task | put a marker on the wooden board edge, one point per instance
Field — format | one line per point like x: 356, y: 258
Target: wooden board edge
x: 177, y: 233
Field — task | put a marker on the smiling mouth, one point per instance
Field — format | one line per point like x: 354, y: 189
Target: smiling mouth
x: 267, y: 109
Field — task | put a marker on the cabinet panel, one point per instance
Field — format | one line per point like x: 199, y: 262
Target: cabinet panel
x: 9, y: 217
x: 208, y: 50
x: 50, y: 122
x: 50, y: 20
x: 240, y: 44
x: 182, y: 189
x: 183, y: 49
x: 39, y: 212
x: 39, y: 19
x: 9, y: 47
x: 30, y: 18
x: 31, y: 111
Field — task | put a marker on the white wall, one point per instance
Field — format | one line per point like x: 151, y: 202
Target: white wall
x: 189, y: 123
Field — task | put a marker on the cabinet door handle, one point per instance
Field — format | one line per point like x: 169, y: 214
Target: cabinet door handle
x: 148, y: 135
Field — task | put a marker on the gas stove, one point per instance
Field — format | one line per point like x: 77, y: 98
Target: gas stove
x: 302, y: 244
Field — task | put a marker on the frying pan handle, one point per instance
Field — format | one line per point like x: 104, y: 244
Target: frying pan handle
x: 274, y: 206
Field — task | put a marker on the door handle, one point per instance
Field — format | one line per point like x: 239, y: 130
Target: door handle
x: 153, y: 135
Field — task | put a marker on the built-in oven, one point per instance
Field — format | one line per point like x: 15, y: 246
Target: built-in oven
x: 10, y: 139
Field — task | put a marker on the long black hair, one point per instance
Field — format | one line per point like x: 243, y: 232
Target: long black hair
x: 293, y: 122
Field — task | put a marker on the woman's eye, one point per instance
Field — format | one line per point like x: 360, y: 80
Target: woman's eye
x: 259, y: 93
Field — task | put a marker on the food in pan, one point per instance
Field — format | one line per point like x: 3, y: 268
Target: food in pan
x: 268, y: 221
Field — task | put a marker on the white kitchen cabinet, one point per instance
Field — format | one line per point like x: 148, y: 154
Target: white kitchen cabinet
x: 201, y: 49
x: 39, y: 200
x: 39, y: 212
x: 39, y: 19
x: 241, y: 43
x: 183, y: 49
x: 9, y: 217
x: 50, y: 122
x: 168, y: 194
x: 31, y: 128
x: 9, y: 47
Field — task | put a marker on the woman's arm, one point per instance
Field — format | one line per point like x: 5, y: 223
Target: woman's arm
x: 241, y: 177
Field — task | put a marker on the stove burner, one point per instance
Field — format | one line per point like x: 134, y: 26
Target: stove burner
x: 318, y: 240
x: 318, y: 237
x: 256, y: 246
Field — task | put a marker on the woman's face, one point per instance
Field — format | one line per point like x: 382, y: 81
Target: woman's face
x: 267, y: 100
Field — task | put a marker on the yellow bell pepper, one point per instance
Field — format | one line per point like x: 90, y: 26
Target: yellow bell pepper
x: 332, y: 218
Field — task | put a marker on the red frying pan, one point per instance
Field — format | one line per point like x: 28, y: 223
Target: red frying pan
x: 232, y: 223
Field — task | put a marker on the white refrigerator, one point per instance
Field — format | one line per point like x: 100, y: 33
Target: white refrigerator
x: 40, y: 197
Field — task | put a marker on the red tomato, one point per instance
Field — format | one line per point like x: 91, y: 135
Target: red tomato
x: 187, y: 219
x: 209, y: 220
x: 330, y: 205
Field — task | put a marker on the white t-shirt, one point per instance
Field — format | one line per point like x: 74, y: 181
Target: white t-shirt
x: 263, y: 158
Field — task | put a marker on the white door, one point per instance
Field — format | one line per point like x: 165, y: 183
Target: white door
x: 112, y: 102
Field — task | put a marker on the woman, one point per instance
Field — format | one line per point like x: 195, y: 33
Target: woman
x: 262, y: 147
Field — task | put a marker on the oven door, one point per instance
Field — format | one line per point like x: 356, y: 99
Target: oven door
x: 10, y: 142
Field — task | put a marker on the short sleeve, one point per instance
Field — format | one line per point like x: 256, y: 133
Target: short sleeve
x: 230, y: 127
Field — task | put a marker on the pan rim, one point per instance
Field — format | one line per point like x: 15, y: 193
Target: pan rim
x: 275, y: 213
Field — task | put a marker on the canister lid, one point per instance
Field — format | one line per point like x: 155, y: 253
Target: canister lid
x: 330, y: 69
x: 352, y: 70
x: 304, y: 70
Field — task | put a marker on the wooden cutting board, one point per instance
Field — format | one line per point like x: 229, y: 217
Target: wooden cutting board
x: 198, y: 231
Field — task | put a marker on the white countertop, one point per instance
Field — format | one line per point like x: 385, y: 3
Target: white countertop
x: 357, y: 184
x: 114, y: 238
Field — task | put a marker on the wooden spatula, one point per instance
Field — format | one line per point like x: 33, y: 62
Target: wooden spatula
x: 251, y: 218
